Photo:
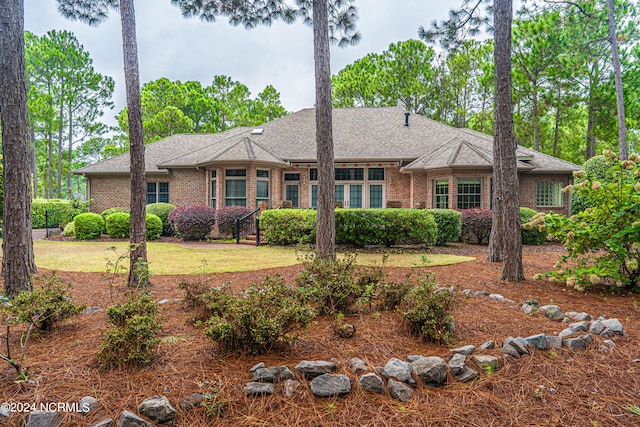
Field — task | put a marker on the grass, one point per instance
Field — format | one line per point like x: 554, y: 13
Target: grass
x: 170, y: 258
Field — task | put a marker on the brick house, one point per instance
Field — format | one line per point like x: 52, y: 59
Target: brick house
x: 383, y: 158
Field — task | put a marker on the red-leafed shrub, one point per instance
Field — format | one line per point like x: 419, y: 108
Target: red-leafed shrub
x: 226, y: 218
x: 476, y: 225
x: 192, y: 222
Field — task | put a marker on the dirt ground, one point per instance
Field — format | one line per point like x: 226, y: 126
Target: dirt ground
x: 562, y: 388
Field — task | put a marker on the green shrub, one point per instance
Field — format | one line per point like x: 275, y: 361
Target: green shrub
x: 50, y: 302
x: 132, y: 337
x: 153, y: 226
x: 105, y: 213
x: 162, y: 211
x: 70, y: 229
x: 428, y: 310
x: 288, y: 226
x: 449, y: 223
x: 531, y: 236
x: 392, y: 293
x: 60, y: 212
x: 602, y: 241
x: 88, y: 226
x: 118, y: 225
x: 259, y: 321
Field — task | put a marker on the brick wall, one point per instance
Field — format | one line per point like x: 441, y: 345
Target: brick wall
x: 527, y: 191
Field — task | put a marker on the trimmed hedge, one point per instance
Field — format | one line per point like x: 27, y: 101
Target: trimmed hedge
x: 88, y: 226
x: 70, y: 229
x: 154, y: 226
x: 533, y: 236
x: 449, y: 224
x: 161, y: 210
x: 192, y: 222
x: 60, y: 211
x: 119, y: 225
x: 288, y: 226
x: 226, y: 217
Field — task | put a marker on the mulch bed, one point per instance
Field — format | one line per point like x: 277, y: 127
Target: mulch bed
x: 561, y: 388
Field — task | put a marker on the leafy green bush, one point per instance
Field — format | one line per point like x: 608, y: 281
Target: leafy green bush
x: 602, y: 241
x: 162, y: 211
x: 118, y: 225
x: 531, y: 236
x: 88, y: 226
x: 260, y: 320
x: 153, y: 226
x: 428, y: 310
x: 50, y: 302
x: 70, y: 229
x: 105, y: 213
x: 392, y: 293
x: 598, y: 168
x: 132, y: 337
x: 288, y: 226
x: 60, y: 212
x: 449, y: 224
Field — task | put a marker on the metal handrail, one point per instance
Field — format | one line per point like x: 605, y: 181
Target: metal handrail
x: 250, y: 226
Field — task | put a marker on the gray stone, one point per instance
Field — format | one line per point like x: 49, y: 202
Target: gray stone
x: 43, y: 419
x: 400, y: 370
x: 256, y: 367
x: 291, y: 388
x: 529, y: 306
x: 522, y: 341
x: 567, y: 332
x: 88, y: 404
x: 371, y: 383
x: 609, y: 343
x: 92, y: 310
x: 538, y: 341
x: 272, y: 375
x: 193, y: 400
x: 467, y: 292
x: 614, y: 326
x: 399, y: 391
x: 596, y: 327
x: 587, y: 338
x: 328, y: 385
x: 466, y: 350
x: 553, y: 341
x: 104, y: 423
x: 508, y: 301
x: 575, y: 343
x: 486, y: 363
x: 129, y: 419
x: 432, y: 371
x: 412, y: 358
x: 582, y: 317
x: 356, y: 361
x: 488, y: 345
x: 496, y: 297
x: 358, y: 366
x: 522, y: 351
x: 510, y: 350
x: 468, y: 374
x: 312, y: 369
x: 571, y: 314
x: 579, y: 326
x: 601, y: 318
x: 255, y: 389
x: 4, y: 415
x: 379, y: 369
x: 164, y: 301
x: 457, y: 363
x: 552, y: 312
x: 482, y: 293
x: 158, y: 409
x: 567, y: 320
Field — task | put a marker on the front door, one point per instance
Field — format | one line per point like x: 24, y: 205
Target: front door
x: 292, y: 193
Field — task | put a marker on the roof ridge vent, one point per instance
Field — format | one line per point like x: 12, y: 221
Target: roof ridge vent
x: 257, y: 131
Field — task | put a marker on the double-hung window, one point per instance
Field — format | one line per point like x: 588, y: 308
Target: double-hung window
x: 235, y: 187
x: 469, y: 193
x: 157, y: 192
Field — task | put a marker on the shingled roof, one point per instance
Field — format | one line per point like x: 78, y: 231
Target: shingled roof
x: 360, y: 134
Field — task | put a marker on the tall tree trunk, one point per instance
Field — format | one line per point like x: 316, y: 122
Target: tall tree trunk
x: 617, y: 76
x: 591, y: 123
x: 326, y: 227
x: 59, y: 170
x: 34, y: 161
x: 535, y: 110
x: 505, y: 242
x: 50, y: 165
x: 138, y: 242
x: 17, y: 245
x: 70, y: 154
x: 556, y: 133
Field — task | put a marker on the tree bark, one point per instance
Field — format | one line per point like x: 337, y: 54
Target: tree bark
x: 325, y: 228
x: 59, y: 170
x: 70, y: 155
x: 138, y: 243
x: 17, y: 245
x: 617, y: 76
x: 505, y: 242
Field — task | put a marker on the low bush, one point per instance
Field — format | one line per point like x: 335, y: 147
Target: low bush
x: 49, y: 303
x: 226, y: 217
x: 118, y: 225
x: 476, y: 225
x: 57, y: 212
x: 392, y: 293
x: 70, y: 229
x: 260, y: 320
x: 598, y: 168
x: 162, y: 210
x: 192, y: 222
x: 428, y: 310
x: 531, y: 235
x: 132, y: 336
x: 288, y: 226
x: 449, y: 224
x: 88, y: 226
x: 153, y: 225
x: 105, y: 213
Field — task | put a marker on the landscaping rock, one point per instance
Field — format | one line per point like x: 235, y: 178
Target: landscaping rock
x: 496, y: 297
x: 4, y: 415
x: 328, y: 385
x: 596, y: 327
x: 567, y: 332
x: 552, y: 312
x: 579, y: 326
x: 432, y: 371
x: 88, y: 404
x: 104, y: 423
x: 485, y: 362
x: 272, y: 375
x: 312, y: 369
x: 164, y: 301
x: 481, y: 293
x: 193, y: 400
x: 520, y: 348
x: 539, y: 341
x: 509, y: 350
x: 609, y: 343
x: 371, y: 383
x: 400, y: 370
x: 582, y: 317
x: 413, y: 358
x: 488, y: 345
x: 158, y: 409
x: 43, y: 419
x: 467, y: 292
x: 358, y: 366
x: 612, y: 327
x: 529, y: 306
x: 466, y: 350
x: 291, y: 388
x: 553, y: 341
x: 586, y: 338
x: 460, y: 370
x: 254, y: 389
x: 129, y: 419
x: 399, y: 391
x: 575, y: 343
x: 571, y: 314
x: 92, y: 310
x: 256, y: 367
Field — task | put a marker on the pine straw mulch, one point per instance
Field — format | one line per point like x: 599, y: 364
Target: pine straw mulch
x: 561, y: 388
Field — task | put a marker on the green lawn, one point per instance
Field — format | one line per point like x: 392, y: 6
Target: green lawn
x: 170, y: 258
